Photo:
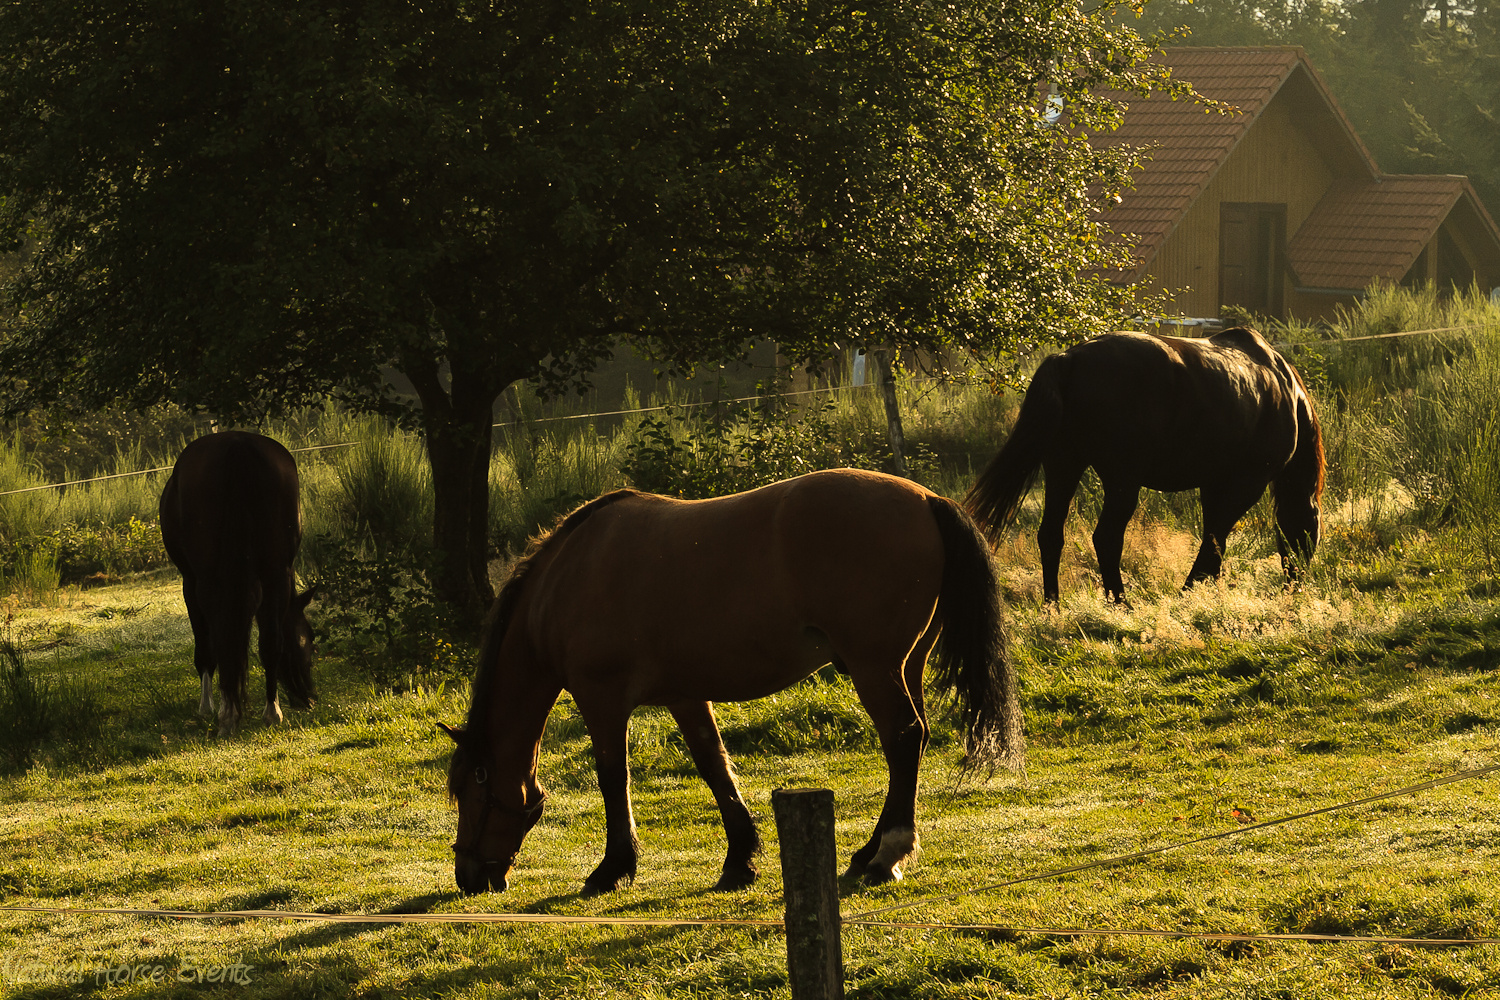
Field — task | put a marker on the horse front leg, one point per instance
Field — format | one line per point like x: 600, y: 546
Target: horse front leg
x: 696, y: 721
x: 271, y: 645
x: 609, y: 731
x: 1109, y: 536
x: 1222, y: 510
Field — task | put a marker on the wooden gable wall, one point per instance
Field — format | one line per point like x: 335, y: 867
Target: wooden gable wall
x: 1276, y: 162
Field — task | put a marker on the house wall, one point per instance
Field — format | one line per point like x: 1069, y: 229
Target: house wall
x: 1275, y: 162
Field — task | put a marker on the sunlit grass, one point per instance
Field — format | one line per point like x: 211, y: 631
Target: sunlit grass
x: 1181, y: 716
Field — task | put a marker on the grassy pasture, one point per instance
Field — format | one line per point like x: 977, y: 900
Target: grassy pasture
x: 1185, y: 716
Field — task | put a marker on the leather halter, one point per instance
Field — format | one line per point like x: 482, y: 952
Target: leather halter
x: 528, y: 814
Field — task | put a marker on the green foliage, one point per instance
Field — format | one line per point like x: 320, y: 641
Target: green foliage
x: 377, y: 493
x: 1477, y: 490
x: 539, y: 473
x: 36, y: 710
x: 378, y: 611
x: 696, y: 454
x: 63, y: 445
x: 26, y: 514
x: 31, y: 570
x: 474, y: 194
x: 100, y: 551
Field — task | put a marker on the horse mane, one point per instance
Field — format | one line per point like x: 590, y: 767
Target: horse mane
x: 497, y: 621
x: 1309, y: 464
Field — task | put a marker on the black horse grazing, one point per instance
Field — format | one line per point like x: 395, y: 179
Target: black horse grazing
x: 1225, y: 415
x: 232, y: 523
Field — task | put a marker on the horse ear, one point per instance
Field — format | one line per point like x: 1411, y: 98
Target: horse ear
x: 302, y: 600
x: 454, y: 733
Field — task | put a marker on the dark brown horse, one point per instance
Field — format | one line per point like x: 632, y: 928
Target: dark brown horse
x: 231, y: 521
x: 635, y: 599
x: 1224, y: 415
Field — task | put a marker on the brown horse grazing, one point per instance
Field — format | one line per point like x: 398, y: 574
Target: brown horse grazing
x: 635, y: 599
x: 232, y: 524
x: 1224, y: 415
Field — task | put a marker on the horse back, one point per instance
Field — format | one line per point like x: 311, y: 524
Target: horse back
x: 662, y: 589
x: 1172, y: 410
x: 231, y: 507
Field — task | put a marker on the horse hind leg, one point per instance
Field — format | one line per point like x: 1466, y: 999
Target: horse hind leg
x: 696, y: 721
x: 203, y: 649
x: 206, y: 698
x: 1061, y: 483
x: 894, y: 702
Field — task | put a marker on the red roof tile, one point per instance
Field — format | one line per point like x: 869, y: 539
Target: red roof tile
x: 1191, y: 142
x: 1364, y: 230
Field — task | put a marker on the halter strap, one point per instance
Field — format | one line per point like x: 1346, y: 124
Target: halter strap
x: 528, y: 814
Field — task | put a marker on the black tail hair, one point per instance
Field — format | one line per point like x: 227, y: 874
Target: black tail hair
x: 972, y: 658
x: 996, y: 495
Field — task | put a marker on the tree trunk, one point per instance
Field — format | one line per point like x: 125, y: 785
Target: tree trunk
x: 892, y: 411
x: 457, y: 424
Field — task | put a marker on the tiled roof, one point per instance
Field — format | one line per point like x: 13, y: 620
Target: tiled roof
x: 1363, y: 230
x: 1191, y: 143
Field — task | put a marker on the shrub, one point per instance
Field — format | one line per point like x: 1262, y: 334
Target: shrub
x: 380, y: 612
x: 92, y: 551
x: 697, y: 455
x: 34, y: 710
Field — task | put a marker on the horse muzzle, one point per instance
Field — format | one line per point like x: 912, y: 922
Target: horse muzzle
x: 474, y: 876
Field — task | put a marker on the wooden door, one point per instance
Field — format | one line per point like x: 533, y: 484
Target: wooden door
x: 1252, y: 255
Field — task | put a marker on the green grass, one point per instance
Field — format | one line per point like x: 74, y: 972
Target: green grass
x: 1183, y: 717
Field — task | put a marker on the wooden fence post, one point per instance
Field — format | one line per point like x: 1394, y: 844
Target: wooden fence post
x: 809, y: 878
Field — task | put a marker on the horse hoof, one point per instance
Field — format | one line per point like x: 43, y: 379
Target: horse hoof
x: 600, y: 887
x: 736, y: 879
x: 880, y: 875
x: 598, y: 884
x: 273, y: 714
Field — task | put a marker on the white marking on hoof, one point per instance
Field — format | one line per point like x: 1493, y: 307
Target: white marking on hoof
x: 895, y: 847
x: 206, y: 702
x: 273, y: 713
x: 229, y: 720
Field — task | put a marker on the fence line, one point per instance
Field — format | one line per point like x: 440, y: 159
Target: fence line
x: 553, y: 918
x: 725, y: 402
x: 1387, y: 336
x: 1150, y: 852
x: 159, y: 468
x: 864, y: 919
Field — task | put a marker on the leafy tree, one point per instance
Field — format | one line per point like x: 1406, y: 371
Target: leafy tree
x: 239, y: 206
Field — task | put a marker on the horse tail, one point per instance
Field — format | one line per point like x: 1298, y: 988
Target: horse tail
x: 996, y: 495
x: 972, y: 658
